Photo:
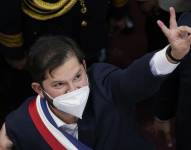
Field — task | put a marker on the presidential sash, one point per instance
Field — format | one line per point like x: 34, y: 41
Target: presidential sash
x: 56, y: 138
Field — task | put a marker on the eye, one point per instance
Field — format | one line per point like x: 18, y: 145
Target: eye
x: 58, y: 85
x: 77, y: 77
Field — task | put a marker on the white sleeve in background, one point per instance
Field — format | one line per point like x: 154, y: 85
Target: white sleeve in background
x: 160, y: 65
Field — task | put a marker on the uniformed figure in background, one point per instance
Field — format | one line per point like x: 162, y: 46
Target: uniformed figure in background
x: 83, y: 20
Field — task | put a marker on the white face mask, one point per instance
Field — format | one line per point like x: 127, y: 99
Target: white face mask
x: 72, y: 103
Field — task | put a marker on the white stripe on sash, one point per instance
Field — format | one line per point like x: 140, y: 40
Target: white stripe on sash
x: 54, y: 131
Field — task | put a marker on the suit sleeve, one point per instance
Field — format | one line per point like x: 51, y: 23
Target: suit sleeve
x: 136, y: 82
x: 128, y: 85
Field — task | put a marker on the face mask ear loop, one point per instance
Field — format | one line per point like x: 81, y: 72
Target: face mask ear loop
x: 48, y: 98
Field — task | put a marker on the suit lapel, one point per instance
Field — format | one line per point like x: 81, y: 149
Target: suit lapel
x: 86, y: 126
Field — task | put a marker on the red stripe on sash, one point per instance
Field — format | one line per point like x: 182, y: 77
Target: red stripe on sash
x: 45, y: 133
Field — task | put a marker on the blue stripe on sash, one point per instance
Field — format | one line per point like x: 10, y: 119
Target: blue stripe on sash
x: 46, y: 112
x: 74, y: 141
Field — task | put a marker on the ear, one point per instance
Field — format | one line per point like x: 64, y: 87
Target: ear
x: 37, y: 88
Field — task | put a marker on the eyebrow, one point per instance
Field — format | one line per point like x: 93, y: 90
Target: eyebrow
x: 78, y: 72
x: 57, y: 81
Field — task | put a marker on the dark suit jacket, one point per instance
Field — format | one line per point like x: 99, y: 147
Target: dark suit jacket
x: 108, y: 119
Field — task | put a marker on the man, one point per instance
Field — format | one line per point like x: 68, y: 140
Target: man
x: 26, y: 20
x: 173, y: 100
x: 94, y: 110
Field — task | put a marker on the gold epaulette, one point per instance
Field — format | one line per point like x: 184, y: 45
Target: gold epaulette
x: 41, y: 10
x: 12, y: 41
x: 119, y: 3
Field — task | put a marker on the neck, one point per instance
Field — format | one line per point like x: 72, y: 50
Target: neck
x: 67, y: 118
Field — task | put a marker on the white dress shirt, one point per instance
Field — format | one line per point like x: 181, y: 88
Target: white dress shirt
x: 160, y: 65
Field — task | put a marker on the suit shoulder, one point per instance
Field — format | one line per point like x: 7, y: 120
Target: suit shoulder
x: 18, y: 116
x: 102, y: 69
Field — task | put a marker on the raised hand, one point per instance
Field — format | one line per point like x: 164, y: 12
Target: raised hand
x: 179, y: 37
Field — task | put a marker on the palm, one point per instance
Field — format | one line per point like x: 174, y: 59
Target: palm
x: 179, y: 39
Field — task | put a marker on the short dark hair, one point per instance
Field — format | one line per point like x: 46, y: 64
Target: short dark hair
x: 49, y: 52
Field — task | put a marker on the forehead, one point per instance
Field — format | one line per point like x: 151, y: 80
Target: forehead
x: 67, y: 70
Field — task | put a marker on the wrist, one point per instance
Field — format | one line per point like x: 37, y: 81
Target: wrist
x: 171, y: 58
